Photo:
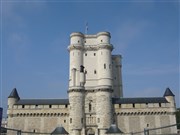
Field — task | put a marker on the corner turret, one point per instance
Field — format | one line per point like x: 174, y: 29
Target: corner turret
x: 13, y: 98
x: 170, y: 97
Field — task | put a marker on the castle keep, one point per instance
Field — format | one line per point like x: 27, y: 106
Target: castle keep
x: 96, y: 101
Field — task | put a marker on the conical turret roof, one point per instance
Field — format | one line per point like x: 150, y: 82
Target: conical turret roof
x: 168, y: 92
x: 113, y: 130
x: 59, y: 130
x: 14, y: 94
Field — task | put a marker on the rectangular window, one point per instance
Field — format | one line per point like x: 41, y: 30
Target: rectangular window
x: 50, y: 106
x: 94, y: 54
x: 98, y: 120
x: 109, y: 66
x: 66, y: 106
x: 104, y: 66
x: 70, y: 120
x: 22, y: 106
x: 81, y: 120
x: 64, y: 121
x: 94, y: 71
x: 159, y: 104
x: 133, y: 105
x: 119, y: 105
x: 85, y: 54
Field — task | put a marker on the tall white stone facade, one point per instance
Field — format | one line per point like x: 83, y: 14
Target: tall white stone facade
x: 95, y: 97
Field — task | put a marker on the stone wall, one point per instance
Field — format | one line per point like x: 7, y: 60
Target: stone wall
x: 42, y: 119
x: 134, y: 119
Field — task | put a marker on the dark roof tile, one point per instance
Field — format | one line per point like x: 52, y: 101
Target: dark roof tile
x: 139, y: 100
x: 14, y: 94
x: 59, y: 130
x: 168, y: 92
x: 113, y: 130
x: 43, y: 102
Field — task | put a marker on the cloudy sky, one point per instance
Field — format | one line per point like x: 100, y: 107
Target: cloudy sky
x: 35, y: 36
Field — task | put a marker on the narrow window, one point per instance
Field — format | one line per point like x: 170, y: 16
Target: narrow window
x: 70, y: 120
x: 81, y: 120
x: 101, y: 40
x: 34, y: 130
x: 147, y: 125
x: 66, y: 106
x: 85, y: 54
x: 22, y: 106
x: 90, y: 107
x: 94, y: 71
x: 85, y: 41
x: 64, y: 121
x: 94, y: 54
x: 133, y: 105
x: 78, y: 41
x: 50, y: 106
x: 146, y: 104
x: 104, y: 66
x: 119, y: 105
x: 159, y: 104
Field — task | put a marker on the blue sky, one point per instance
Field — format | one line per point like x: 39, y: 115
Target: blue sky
x: 35, y: 36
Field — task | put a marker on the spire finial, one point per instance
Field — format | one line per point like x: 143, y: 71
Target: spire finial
x: 86, y: 29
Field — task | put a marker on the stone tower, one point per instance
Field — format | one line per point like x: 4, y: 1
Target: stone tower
x: 170, y: 97
x: 12, y: 99
x: 76, y: 84
x: 91, y: 82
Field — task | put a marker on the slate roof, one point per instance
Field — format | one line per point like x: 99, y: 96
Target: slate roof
x: 139, y: 100
x: 59, y: 130
x: 14, y: 94
x: 113, y: 130
x: 43, y: 102
x: 168, y: 92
